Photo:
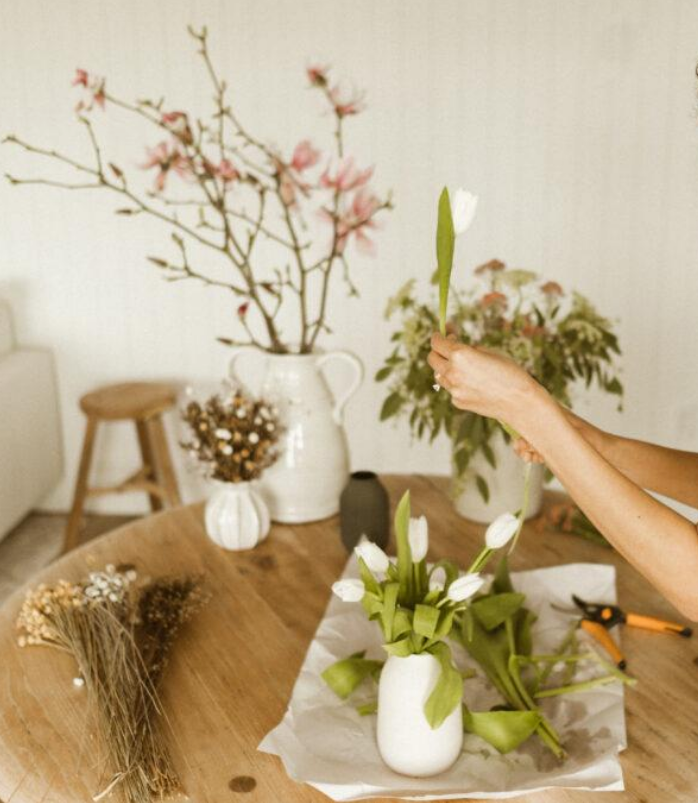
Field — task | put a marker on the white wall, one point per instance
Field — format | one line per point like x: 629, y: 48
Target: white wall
x: 574, y: 121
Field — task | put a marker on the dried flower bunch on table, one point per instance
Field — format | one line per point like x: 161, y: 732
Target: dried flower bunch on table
x: 238, y: 205
x: 121, y: 635
x: 234, y: 437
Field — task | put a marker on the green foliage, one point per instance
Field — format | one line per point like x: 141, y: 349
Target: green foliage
x: 445, y: 244
x: 448, y: 691
x: 504, y: 730
x: 560, y: 340
x: 347, y: 675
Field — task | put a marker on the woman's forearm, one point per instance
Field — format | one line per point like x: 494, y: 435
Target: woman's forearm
x: 670, y: 472
x: 659, y: 542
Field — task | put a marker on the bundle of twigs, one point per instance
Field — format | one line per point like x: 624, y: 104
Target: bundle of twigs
x: 120, y: 636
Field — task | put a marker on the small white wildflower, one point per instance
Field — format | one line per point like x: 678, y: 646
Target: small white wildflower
x: 223, y: 434
x: 254, y: 437
x: 227, y: 449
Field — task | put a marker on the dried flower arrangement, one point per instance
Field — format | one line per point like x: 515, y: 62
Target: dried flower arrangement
x: 234, y: 438
x: 121, y: 636
x: 233, y: 191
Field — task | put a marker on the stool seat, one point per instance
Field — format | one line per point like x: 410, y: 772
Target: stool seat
x: 129, y: 400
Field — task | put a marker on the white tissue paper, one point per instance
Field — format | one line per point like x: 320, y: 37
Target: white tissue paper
x: 324, y: 742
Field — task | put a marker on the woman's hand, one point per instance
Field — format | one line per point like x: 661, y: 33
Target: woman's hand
x: 483, y: 381
x: 526, y: 452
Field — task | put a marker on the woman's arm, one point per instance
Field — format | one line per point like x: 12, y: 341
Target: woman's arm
x: 670, y: 472
x: 657, y: 541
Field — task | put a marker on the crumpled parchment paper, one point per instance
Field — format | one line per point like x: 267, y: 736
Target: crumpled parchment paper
x: 324, y: 742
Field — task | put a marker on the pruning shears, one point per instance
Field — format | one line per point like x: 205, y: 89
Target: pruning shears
x: 598, y: 619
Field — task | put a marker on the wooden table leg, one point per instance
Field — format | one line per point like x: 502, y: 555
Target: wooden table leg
x: 72, y: 530
x: 148, y: 461
x: 166, y: 474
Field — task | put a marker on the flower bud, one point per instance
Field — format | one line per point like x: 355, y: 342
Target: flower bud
x: 373, y: 556
x: 350, y: 590
x: 418, y: 537
x: 463, y: 209
x: 501, y: 531
x: 465, y: 587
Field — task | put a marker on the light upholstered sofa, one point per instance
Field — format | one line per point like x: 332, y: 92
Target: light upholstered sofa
x: 30, y: 437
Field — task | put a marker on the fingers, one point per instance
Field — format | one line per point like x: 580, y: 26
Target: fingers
x: 438, y: 363
x: 526, y: 452
x: 445, y: 346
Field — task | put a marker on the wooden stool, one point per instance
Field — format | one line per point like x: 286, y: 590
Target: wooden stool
x: 143, y: 403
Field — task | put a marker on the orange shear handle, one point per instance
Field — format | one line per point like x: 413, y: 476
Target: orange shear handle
x: 658, y: 625
x: 599, y: 632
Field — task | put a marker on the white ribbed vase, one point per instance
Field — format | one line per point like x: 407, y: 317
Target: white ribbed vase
x: 236, y: 516
x: 406, y: 741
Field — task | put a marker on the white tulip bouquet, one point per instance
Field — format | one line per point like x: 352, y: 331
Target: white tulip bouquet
x: 419, y: 607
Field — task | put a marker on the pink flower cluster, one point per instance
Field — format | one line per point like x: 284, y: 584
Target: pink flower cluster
x: 94, y: 91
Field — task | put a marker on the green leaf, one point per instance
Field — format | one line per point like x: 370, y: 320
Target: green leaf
x: 426, y: 618
x: 504, y: 730
x: 369, y: 581
x: 402, y: 623
x: 384, y: 373
x: 391, y: 406
x: 461, y: 458
x: 344, y: 676
x: 483, y: 488
x: 401, y: 648
x: 447, y: 694
x: 445, y: 244
x: 502, y: 580
x: 489, y: 454
x: 494, y: 609
x: 404, y: 554
x: 390, y: 594
x: 367, y: 709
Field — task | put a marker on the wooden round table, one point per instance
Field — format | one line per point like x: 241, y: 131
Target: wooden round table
x: 234, y: 665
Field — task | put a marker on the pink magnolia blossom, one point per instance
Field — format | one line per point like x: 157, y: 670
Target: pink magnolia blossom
x: 317, y: 74
x: 178, y: 124
x: 82, y: 78
x: 226, y: 171
x: 356, y: 220
x: 96, y: 94
x: 304, y: 156
x: 166, y: 157
x: 348, y: 176
x: 346, y: 105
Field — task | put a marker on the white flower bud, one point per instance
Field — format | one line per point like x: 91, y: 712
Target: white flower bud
x: 437, y: 579
x: 349, y: 590
x: 465, y: 587
x: 463, y: 208
x: 501, y: 531
x: 223, y: 434
x: 373, y: 556
x: 418, y: 537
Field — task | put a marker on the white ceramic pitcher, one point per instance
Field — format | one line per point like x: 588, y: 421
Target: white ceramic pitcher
x: 306, y: 481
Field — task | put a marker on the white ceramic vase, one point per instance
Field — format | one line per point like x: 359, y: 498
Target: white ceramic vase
x: 406, y: 741
x: 236, y: 516
x: 505, y: 483
x: 306, y: 481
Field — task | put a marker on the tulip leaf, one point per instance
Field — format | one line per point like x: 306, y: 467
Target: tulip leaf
x: 445, y: 624
x: 401, y: 648
x: 447, y: 694
x: 502, y: 580
x: 367, y: 709
x: 426, y: 618
x: 494, y: 609
x: 402, y: 623
x: 390, y: 593
x: 504, y: 730
x: 372, y: 604
x: 404, y: 554
x: 369, y: 580
x: 344, y: 676
x: 445, y: 244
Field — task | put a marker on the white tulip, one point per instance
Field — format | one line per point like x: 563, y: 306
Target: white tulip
x: 463, y: 207
x: 437, y: 579
x: 465, y: 587
x: 373, y: 556
x: 418, y: 537
x: 501, y: 531
x: 349, y: 590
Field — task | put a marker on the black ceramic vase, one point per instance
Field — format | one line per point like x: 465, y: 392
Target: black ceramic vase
x: 364, y: 509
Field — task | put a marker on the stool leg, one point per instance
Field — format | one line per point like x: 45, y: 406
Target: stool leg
x: 148, y: 462
x: 166, y: 473
x: 72, y: 530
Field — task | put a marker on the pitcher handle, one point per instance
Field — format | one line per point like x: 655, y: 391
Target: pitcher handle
x: 342, y: 399
x: 238, y: 353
